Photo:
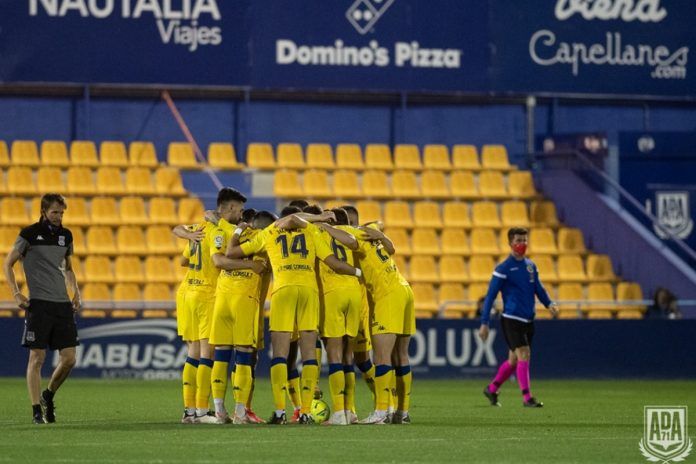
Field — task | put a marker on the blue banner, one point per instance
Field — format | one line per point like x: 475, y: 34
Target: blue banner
x: 150, y: 349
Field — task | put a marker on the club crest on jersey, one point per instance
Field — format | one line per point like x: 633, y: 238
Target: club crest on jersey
x: 218, y: 241
x: 665, y: 434
x: 673, y: 213
x: 61, y: 240
x: 530, y: 269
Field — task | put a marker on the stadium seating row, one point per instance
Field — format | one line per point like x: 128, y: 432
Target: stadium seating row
x: 81, y: 180
x: 403, y: 184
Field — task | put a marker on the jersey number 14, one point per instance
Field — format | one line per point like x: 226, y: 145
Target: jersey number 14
x: 298, y: 246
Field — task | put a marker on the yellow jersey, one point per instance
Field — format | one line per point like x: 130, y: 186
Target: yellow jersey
x: 183, y: 286
x: 378, y: 267
x: 240, y: 281
x: 330, y: 280
x: 291, y: 253
x: 203, y: 274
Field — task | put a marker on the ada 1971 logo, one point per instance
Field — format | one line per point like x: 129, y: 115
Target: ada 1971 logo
x: 665, y: 435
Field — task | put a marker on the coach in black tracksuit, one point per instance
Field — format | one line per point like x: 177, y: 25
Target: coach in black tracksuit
x: 46, y: 248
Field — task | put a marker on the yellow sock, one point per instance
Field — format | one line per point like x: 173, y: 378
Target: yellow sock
x: 205, y: 368
x: 404, y: 379
x: 368, y: 375
x: 350, y: 388
x: 188, y: 381
x: 218, y: 376
x: 294, y: 388
x: 337, y: 386
x: 310, y: 376
x: 382, y: 388
x: 279, y: 380
x: 242, y: 378
x: 392, y: 389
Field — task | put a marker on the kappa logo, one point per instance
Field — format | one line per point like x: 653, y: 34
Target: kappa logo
x: 673, y: 213
x: 39, y: 237
x: 364, y: 14
x: 665, y: 434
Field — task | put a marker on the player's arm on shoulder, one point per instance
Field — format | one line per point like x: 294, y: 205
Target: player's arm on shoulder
x: 323, y: 217
x: 340, y: 236
x: 255, y: 245
x: 187, y: 233
x: 374, y: 234
x: 293, y: 221
x: 231, y: 264
x: 339, y: 267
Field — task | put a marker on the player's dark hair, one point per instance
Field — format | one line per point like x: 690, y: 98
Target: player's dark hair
x: 227, y: 194
x: 48, y: 199
x: 248, y: 215
x: 352, y: 210
x: 341, y: 216
x: 516, y: 231
x: 302, y: 204
x: 312, y: 209
x: 288, y: 210
x: 264, y: 219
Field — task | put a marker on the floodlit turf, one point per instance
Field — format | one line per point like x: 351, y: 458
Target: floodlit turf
x: 136, y: 421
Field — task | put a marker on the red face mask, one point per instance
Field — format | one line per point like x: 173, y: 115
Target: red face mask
x: 520, y: 248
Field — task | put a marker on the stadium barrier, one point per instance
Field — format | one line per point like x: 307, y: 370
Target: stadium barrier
x: 151, y: 349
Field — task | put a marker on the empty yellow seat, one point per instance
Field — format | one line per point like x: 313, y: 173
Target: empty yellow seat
x: 376, y: 184
x: 139, y: 181
x: 349, y: 156
x: 456, y: 214
x: 76, y: 214
x: 454, y: 298
x: 453, y: 269
x: 423, y: 269
x: 400, y: 239
x: 4, y: 154
x: 485, y: 214
x: 479, y: 290
x: 290, y: 156
x: 547, y: 269
x: 599, y: 314
x: 157, y: 292
x: 24, y: 153
x: 570, y: 268
x: 454, y: 242
x: 191, y: 211
x: 521, y: 184
x: 8, y: 237
x: 98, y: 269
x: 345, y: 184
x: 397, y: 214
x: 158, y: 269
x: 492, y: 184
x: 50, y: 180
x: 378, y: 156
x: 100, y: 240
x: 160, y: 240
x: 425, y: 299
x: 127, y: 292
x: 369, y: 211
x: 131, y: 240
x: 480, y: 270
x: 599, y: 268
x: 181, y: 155
x: 54, y: 153
x: 105, y: 211
x: 109, y: 181
x: 463, y: 185
x: 13, y: 212
x: 80, y: 181
x: 79, y: 242
x: 111, y: 153
x: 628, y: 291
x: 495, y: 157
x: 465, y: 157
x: 129, y: 269
x: 436, y: 157
x: 20, y: 181
x: 83, y: 153
x: 600, y: 297
x: 319, y: 156
x: 405, y: 185
x: 427, y: 214
x: 78, y: 268
x: 124, y: 313
x: 223, y: 156
x: 286, y: 184
x: 167, y: 181
x: 316, y: 184
x: 401, y: 265
x: 142, y: 154
x: 629, y: 314
x: 570, y: 240
x: 133, y: 211
x: 96, y: 292
x: 570, y: 297
x: 514, y: 214
x: 162, y: 211
x: 434, y: 185
x: 542, y: 241
x: 260, y: 156
x: 425, y: 242
x: 543, y: 213
x: 407, y: 156
x: 484, y: 242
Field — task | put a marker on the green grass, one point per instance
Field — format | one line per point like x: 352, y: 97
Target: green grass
x: 137, y: 422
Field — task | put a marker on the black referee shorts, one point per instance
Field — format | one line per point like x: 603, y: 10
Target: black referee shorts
x: 48, y: 324
x: 517, y: 333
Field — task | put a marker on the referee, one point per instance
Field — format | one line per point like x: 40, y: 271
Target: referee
x: 46, y: 248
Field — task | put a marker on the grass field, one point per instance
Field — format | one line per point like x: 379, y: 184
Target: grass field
x: 137, y: 422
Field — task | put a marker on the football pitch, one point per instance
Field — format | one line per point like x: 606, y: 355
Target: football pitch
x: 121, y: 421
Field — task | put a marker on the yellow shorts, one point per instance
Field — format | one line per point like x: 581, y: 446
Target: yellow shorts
x: 394, y: 313
x: 235, y: 320
x: 181, y: 319
x: 342, y: 308
x: 295, y: 306
x: 199, y: 312
x: 362, y: 342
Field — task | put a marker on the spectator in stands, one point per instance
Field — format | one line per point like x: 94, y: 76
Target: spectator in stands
x: 664, y: 306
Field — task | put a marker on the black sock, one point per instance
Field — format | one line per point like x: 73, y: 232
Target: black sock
x: 37, y: 409
x: 48, y: 394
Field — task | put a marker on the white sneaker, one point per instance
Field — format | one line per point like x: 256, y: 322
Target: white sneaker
x: 188, y: 418
x: 223, y: 418
x: 337, y: 418
x: 376, y: 417
x: 352, y: 417
x: 241, y: 420
x: 206, y: 419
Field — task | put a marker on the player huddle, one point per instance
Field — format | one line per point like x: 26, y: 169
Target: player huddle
x: 332, y: 280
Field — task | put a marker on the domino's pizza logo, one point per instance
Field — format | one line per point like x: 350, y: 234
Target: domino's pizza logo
x: 364, y: 14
